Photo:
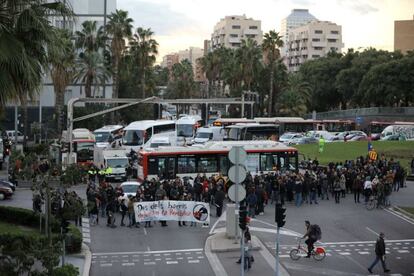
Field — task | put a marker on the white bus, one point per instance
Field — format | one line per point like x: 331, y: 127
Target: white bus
x: 393, y: 132
x: 105, y: 135
x: 211, y: 159
x: 187, y: 128
x: 139, y: 134
x: 252, y: 131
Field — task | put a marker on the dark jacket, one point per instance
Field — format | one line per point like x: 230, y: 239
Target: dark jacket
x: 380, y: 247
x: 219, y: 197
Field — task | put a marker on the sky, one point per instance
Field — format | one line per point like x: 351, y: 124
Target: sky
x: 179, y: 24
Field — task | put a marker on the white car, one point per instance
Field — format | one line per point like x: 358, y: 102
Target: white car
x: 129, y: 189
x: 290, y: 138
x: 12, y: 136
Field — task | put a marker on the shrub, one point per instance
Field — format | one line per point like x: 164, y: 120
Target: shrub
x: 73, y: 240
x: 66, y: 270
x: 25, y: 217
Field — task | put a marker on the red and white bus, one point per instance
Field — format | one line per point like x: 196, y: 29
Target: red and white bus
x: 211, y: 159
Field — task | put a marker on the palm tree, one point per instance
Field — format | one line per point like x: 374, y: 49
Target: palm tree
x: 62, y: 69
x: 249, y: 54
x: 25, y: 35
x: 299, y: 86
x: 291, y: 104
x: 91, y: 70
x: 271, y: 44
x: 119, y: 28
x: 91, y: 38
x: 144, y: 49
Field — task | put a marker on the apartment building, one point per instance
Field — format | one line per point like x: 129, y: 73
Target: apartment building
x: 231, y: 30
x: 297, y: 18
x: 192, y: 54
x: 313, y: 40
x: 169, y: 60
x: 404, y: 35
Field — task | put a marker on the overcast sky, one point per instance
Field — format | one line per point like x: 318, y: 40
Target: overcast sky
x: 179, y: 24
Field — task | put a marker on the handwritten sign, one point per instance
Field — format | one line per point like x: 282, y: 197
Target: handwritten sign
x: 172, y: 210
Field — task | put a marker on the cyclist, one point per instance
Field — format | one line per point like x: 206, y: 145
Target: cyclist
x: 312, y: 233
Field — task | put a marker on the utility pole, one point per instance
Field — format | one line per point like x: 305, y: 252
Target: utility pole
x: 280, y: 220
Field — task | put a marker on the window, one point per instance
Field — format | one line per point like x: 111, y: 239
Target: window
x: 186, y: 164
x: 316, y: 39
x: 268, y: 162
x: 153, y: 166
x: 163, y: 128
x: 224, y: 163
x: 334, y: 32
x: 235, y: 27
x: 315, y: 56
x: 332, y: 40
x: 253, y: 27
x: 207, y: 164
x: 235, y: 44
x: 317, y: 48
x: 234, y: 35
x: 250, y: 36
x: 252, y: 162
x: 318, y: 32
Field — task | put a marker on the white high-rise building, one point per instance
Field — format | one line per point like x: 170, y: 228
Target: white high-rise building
x: 297, y: 18
x: 311, y: 41
x: 231, y: 30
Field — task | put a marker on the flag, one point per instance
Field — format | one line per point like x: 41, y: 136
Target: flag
x: 370, y: 147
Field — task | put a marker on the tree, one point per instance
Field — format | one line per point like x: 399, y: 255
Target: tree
x: 144, y: 49
x: 249, y: 54
x: 210, y: 65
x: 119, y: 28
x: 271, y: 44
x: 25, y: 34
x: 182, y: 83
x: 61, y: 55
x: 90, y: 38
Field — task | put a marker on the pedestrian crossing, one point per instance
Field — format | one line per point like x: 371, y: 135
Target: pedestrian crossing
x: 401, y: 248
x: 150, y: 258
x: 86, y: 231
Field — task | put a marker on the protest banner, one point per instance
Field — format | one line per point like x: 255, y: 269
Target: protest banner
x: 192, y: 211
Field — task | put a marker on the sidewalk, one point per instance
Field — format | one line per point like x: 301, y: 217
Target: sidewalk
x: 82, y: 260
x: 404, y: 197
x: 223, y: 254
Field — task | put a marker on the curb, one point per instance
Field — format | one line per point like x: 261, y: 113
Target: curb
x: 215, y: 263
x: 402, y: 211
x: 88, y: 259
x: 270, y: 259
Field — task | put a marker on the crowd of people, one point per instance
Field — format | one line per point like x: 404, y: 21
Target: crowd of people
x: 362, y: 178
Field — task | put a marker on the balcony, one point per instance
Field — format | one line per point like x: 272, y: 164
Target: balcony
x: 250, y: 32
x: 333, y: 36
x: 318, y: 44
x: 234, y: 40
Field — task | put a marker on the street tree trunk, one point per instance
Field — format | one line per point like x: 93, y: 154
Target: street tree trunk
x: 270, y: 103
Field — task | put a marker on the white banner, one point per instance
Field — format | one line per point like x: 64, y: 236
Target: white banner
x: 172, y: 210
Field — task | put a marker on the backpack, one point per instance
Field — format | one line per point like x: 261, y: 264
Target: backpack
x: 316, y: 232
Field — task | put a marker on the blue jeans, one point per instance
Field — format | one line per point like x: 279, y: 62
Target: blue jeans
x: 377, y: 259
x: 312, y: 197
x: 298, y: 199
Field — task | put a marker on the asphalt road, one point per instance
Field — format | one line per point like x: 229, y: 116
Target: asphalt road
x: 349, y: 232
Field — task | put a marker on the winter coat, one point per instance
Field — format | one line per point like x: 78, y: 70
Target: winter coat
x: 380, y: 247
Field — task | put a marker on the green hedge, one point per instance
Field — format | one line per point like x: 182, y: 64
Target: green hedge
x: 73, y: 240
x: 25, y: 217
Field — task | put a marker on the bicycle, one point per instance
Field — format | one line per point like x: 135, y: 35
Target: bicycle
x: 318, y: 253
x: 373, y: 202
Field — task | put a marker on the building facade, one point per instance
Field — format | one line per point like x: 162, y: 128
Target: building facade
x: 311, y: 41
x: 192, y: 54
x: 297, y: 18
x: 169, y: 60
x: 404, y: 35
x: 231, y: 30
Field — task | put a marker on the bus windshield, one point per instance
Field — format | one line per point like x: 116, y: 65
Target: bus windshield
x: 185, y: 130
x: 102, y: 137
x: 204, y: 135
x: 234, y: 134
x: 118, y: 163
x: 133, y: 137
x: 85, y: 151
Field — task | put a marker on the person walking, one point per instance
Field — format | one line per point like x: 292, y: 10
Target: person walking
x: 379, y: 254
x: 219, y: 200
x: 337, y: 189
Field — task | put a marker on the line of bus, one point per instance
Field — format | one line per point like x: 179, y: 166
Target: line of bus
x: 211, y: 159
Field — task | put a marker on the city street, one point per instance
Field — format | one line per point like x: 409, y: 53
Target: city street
x: 349, y: 232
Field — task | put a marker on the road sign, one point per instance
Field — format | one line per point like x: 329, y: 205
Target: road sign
x: 237, y: 150
x: 240, y: 190
x: 359, y: 120
x: 237, y: 177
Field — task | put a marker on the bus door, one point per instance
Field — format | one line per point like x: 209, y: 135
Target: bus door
x: 166, y: 167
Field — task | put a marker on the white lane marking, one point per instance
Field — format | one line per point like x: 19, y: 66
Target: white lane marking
x: 398, y: 258
x: 167, y: 254
x: 213, y: 259
x: 361, y: 242
x: 395, y: 248
x: 398, y: 243
x: 193, y: 261
x: 284, y: 256
x: 179, y: 254
x: 344, y: 253
x: 200, y: 257
x: 128, y: 264
x: 221, y: 218
x: 189, y: 258
x: 147, y: 260
x: 145, y: 232
x: 403, y: 251
x: 168, y: 259
x: 270, y: 259
x: 149, y: 263
x: 158, y: 259
x: 86, y: 230
x: 87, y: 240
x: 363, y: 252
x: 172, y: 262
x: 407, y: 243
x: 343, y: 245
x: 157, y: 255
x: 372, y: 231
x: 106, y: 264
x: 400, y: 216
x: 396, y: 274
x: 148, y: 252
x: 180, y: 258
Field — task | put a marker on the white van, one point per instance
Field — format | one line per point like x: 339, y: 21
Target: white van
x: 205, y: 134
x: 105, y: 135
x: 407, y: 131
x: 187, y: 127
x: 11, y: 135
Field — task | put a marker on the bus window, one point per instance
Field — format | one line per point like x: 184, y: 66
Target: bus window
x: 153, y: 166
x: 207, y: 164
x: 268, y: 162
x: 292, y: 162
x: 166, y: 167
x: 224, y: 165
x: 252, y: 162
x: 186, y: 164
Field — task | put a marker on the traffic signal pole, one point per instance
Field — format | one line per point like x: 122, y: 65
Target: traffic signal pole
x: 277, y: 251
x: 280, y: 220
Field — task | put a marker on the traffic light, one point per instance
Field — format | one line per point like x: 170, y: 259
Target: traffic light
x: 242, y: 217
x: 280, y: 215
x: 65, y: 226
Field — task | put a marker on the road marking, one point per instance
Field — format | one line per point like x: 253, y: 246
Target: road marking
x: 221, y: 218
x: 398, y: 258
x: 395, y: 248
x: 148, y: 252
x: 363, y: 252
x: 396, y: 274
x: 372, y: 231
x: 200, y: 257
x: 148, y: 248
x: 398, y: 243
x: 178, y: 254
x: 106, y: 264
x: 213, y: 259
x: 284, y: 256
x: 86, y: 230
x: 145, y: 232
x: 168, y: 259
x: 193, y: 261
x: 400, y: 216
x: 147, y: 260
x: 128, y: 264
x: 149, y: 263
x: 361, y: 242
x: 180, y: 258
x: 403, y: 251
x: 172, y: 262
x: 189, y: 258
x: 344, y: 253
x: 87, y: 240
x: 167, y: 254
x: 158, y: 259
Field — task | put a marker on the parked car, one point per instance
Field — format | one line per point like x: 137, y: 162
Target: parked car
x: 394, y: 137
x: 290, y: 138
x: 354, y: 135
x: 8, y: 183
x: 5, y: 191
x: 12, y: 136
